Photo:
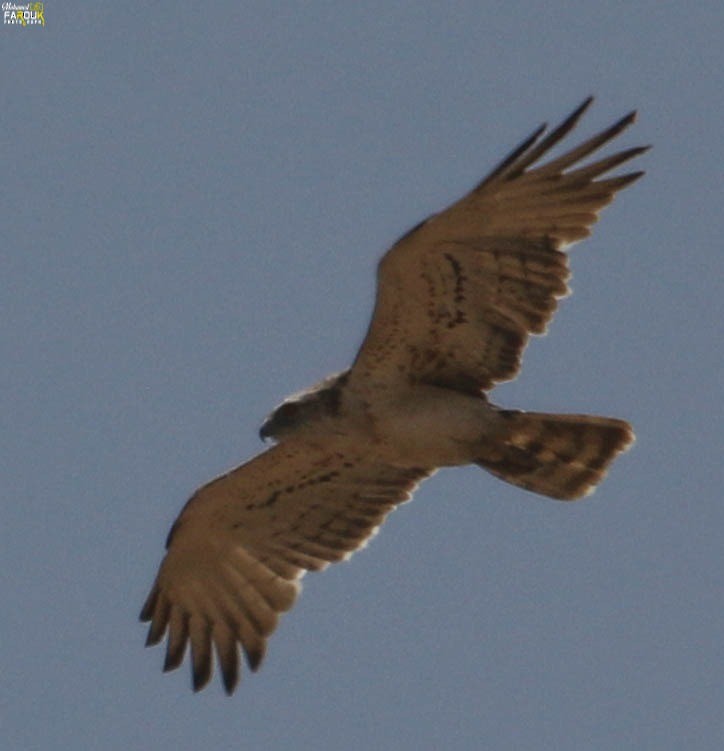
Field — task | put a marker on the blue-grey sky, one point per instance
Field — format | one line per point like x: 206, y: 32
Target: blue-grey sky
x: 194, y: 198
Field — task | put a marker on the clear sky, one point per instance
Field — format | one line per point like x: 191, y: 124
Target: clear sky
x: 194, y: 198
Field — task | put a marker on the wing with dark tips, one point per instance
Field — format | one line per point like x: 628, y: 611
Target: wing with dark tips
x: 243, y: 541
x: 458, y: 298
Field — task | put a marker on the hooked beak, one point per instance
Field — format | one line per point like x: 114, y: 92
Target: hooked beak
x: 265, y: 431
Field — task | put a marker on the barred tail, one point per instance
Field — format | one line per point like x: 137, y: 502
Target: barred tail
x: 560, y: 456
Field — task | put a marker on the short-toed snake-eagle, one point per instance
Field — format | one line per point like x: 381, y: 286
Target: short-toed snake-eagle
x: 457, y: 298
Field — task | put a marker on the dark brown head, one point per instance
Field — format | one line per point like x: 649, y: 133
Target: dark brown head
x: 321, y: 401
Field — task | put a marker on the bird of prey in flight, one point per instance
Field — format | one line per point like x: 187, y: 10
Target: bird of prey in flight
x: 457, y: 298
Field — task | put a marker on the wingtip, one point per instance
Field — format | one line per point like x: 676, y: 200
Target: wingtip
x: 572, y: 119
x: 632, y: 177
x: 230, y: 683
x: 590, y: 99
x: 200, y: 681
x: 149, y: 605
x: 254, y: 657
x: 533, y: 149
x: 584, y: 105
x: 198, y: 687
x: 152, y: 638
x: 202, y: 665
x: 623, y: 123
x: 174, y: 657
x: 636, y: 151
x: 538, y: 132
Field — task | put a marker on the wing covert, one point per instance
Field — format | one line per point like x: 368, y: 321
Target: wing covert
x: 459, y: 296
x: 239, y: 547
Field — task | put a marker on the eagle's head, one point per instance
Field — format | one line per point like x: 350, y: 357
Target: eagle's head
x: 299, y: 410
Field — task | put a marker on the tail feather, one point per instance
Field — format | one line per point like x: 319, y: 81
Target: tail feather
x: 560, y: 456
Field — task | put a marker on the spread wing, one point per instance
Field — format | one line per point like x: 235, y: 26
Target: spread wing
x: 459, y: 295
x: 238, y: 548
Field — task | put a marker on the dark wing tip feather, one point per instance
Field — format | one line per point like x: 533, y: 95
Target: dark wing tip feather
x: 227, y: 654
x: 624, y: 180
x: 553, y: 138
x: 523, y: 155
x: 174, y: 658
x: 156, y: 610
x: 230, y: 676
x: 613, y: 184
x: 155, y: 632
x: 602, y: 166
x: 201, y: 676
x: 517, y: 152
x: 612, y: 131
x: 619, y: 126
x: 254, y: 658
x: 626, y: 120
x: 149, y: 606
x: 533, y: 149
